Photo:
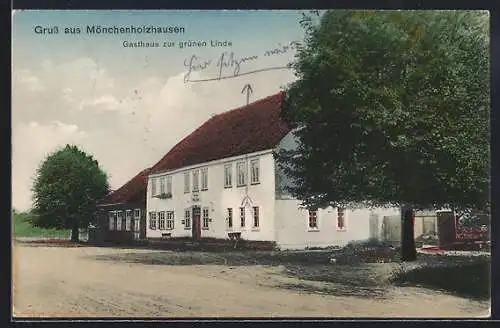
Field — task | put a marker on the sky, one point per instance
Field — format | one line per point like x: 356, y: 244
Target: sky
x: 127, y: 106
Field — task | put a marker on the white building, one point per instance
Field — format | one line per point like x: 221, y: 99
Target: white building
x: 223, y: 179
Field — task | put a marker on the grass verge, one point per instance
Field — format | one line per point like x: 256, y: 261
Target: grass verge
x: 470, y: 280
x: 21, y: 227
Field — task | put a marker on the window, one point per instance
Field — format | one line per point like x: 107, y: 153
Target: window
x: 228, y: 176
x: 229, y: 217
x: 170, y: 220
x: 153, y: 186
x: 241, y: 174
x: 204, y: 178
x: 254, y: 167
x: 137, y: 213
x: 341, y: 218
x: 256, y: 215
x: 206, y: 218
x: 161, y: 220
x: 115, y: 220
x: 187, y: 218
x: 119, y: 221
x: 152, y: 220
x: 196, y: 176
x: 242, y: 217
x: 169, y: 184
x: 313, y: 219
x: 128, y: 222
x: 162, y: 185
x: 186, y: 182
x: 112, y: 221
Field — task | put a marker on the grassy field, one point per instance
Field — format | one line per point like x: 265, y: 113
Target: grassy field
x: 21, y: 227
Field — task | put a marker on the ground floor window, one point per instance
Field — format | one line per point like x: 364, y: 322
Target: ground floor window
x: 242, y: 217
x: 313, y: 219
x: 120, y: 221
x: 128, y: 220
x: 206, y: 218
x: 187, y: 218
x: 256, y: 216
x: 341, y: 218
x: 152, y: 220
x: 161, y: 220
x: 137, y: 213
x: 229, y: 218
x: 111, y: 217
x: 170, y: 220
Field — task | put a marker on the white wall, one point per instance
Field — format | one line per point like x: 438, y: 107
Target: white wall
x: 218, y: 199
x: 282, y: 181
x: 292, y: 226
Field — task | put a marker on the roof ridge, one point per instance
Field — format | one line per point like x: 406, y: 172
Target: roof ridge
x: 255, y: 102
x: 229, y: 134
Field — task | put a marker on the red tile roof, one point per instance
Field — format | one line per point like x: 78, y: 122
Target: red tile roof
x: 132, y: 191
x: 255, y: 127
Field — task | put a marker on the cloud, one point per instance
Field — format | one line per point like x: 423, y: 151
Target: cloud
x: 24, y: 78
x: 31, y: 143
x: 127, y: 124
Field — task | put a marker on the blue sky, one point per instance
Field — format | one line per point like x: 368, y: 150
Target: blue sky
x: 249, y: 31
x: 129, y: 106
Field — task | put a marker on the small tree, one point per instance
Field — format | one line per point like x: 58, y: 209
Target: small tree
x: 66, y: 189
x: 391, y: 109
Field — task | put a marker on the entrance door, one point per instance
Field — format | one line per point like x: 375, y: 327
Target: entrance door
x: 196, y: 227
x: 137, y: 228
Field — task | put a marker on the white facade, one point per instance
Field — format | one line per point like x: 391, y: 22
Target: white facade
x: 218, y: 198
x: 280, y: 217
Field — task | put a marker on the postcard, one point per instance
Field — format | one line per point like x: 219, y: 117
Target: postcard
x: 244, y: 164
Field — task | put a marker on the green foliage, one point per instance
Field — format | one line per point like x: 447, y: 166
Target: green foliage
x: 68, y: 184
x: 22, y: 227
x: 391, y: 108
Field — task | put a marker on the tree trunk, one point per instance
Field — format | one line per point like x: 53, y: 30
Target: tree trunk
x: 408, y: 249
x: 75, y: 231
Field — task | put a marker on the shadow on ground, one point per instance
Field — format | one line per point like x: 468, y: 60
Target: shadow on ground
x: 361, y: 280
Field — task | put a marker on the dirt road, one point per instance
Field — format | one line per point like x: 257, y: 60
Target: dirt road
x: 71, y: 282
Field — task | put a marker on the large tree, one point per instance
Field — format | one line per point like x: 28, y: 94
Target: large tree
x: 391, y: 109
x: 67, y: 187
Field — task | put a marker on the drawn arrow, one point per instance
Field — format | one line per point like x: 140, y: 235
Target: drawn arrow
x: 249, y: 90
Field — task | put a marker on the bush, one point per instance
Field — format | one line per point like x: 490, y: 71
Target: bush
x: 368, y: 243
x: 467, y: 279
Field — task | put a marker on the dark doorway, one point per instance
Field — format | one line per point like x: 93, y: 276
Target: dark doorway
x: 196, y: 226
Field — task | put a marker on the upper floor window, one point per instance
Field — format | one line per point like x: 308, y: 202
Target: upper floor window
x: 153, y: 186
x: 241, y: 173
x: 341, y: 218
x: 186, y: 182
x: 204, y: 178
x: 169, y: 185
x: 228, y: 175
x: 196, y: 180
x: 162, y: 185
x: 254, y: 169
x: 313, y: 219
